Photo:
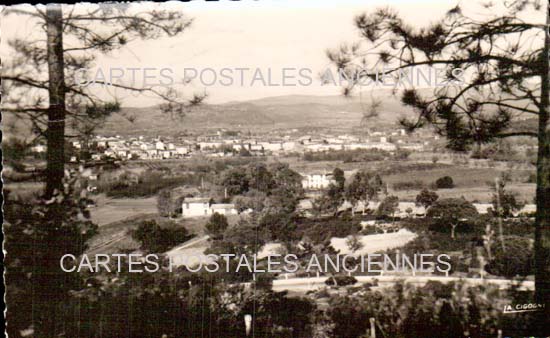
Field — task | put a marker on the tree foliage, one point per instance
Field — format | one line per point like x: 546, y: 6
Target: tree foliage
x: 505, y: 203
x: 363, y: 187
x: 445, y: 182
x: 435, y: 309
x: 515, y: 260
x: 37, y: 234
x: 41, y: 79
x: 165, y: 203
x: 216, y: 225
x: 452, y: 211
x: 156, y: 239
x: 388, y: 206
x: 426, y: 198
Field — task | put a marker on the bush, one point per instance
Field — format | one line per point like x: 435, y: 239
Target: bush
x: 445, y: 182
x: 516, y: 260
x: 426, y: 198
x: 371, y: 230
x: 156, y: 239
x: 432, y: 310
x: 321, y: 230
x: 341, y: 280
x: 216, y: 225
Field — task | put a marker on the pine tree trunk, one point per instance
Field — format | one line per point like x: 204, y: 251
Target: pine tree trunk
x: 46, y: 294
x: 55, y: 135
x: 542, y: 230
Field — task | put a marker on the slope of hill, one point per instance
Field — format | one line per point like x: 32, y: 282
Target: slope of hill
x: 278, y: 112
x: 281, y: 112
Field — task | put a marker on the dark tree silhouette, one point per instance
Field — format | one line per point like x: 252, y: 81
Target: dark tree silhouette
x: 505, y: 78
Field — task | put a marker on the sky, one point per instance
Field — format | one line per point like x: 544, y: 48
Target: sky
x: 265, y: 35
x: 269, y: 35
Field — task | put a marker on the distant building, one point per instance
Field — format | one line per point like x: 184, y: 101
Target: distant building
x: 159, y: 145
x: 197, y: 207
x: 193, y: 207
x: 316, y: 181
x: 223, y: 209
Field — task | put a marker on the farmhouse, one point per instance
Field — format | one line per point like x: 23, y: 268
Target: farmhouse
x: 199, y: 206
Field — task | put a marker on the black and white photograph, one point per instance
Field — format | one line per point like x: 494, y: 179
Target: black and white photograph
x: 276, y: 168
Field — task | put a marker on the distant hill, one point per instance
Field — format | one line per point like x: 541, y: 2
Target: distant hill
x: 280, y: 112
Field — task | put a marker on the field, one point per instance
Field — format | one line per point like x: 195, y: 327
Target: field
x: 471, y: 180
x: 472, y: 183
x: 116, y: 218
x: 109, y: 210
x: 374, y: 243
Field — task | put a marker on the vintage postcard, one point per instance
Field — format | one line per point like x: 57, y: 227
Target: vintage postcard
x: 276, y: 168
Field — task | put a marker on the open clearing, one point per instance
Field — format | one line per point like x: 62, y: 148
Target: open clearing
x: 374, y: 243
x: 109, y: 210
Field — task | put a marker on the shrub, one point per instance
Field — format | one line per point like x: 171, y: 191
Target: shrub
x: 216, y: 225
x: 341, y: 280
x: 445, y: 182
x: 426, y: 198
x: 321, y: 230
x: 154, y: 238
x: 371, y: 230
x: 516, y: 260
x: 432, y: 310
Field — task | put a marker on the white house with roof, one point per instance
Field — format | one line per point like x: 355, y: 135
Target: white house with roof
x: 200, y: 206
x: 316, y: 181
x: 223, y: 209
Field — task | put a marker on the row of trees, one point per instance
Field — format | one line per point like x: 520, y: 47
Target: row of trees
x: 273, y: 188
x: 363, y: 187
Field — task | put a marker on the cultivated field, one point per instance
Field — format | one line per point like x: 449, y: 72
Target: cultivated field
x: 109, y: 210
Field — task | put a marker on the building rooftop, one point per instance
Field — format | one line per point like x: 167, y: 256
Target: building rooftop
x: 196, y: 200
